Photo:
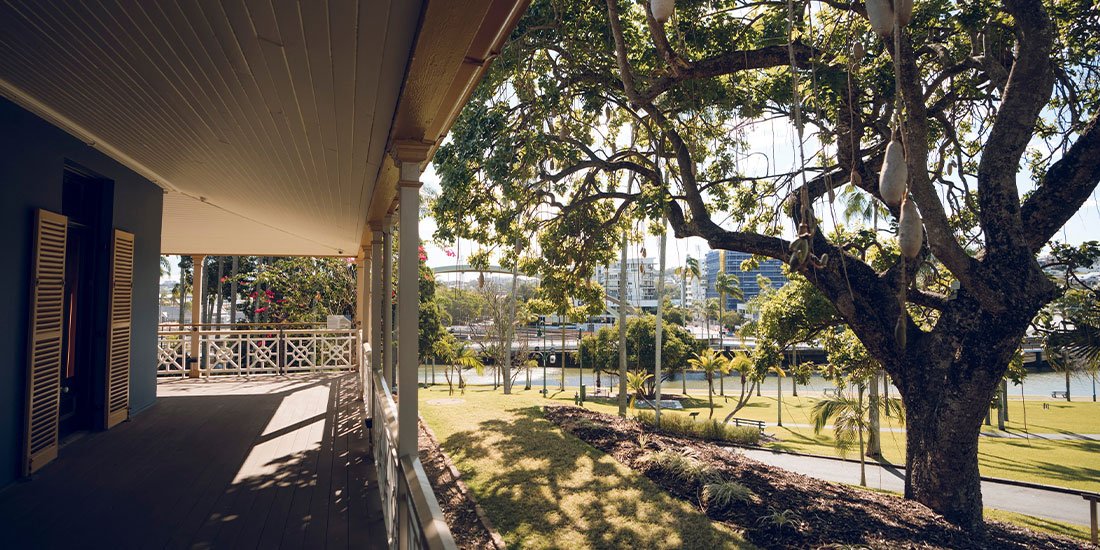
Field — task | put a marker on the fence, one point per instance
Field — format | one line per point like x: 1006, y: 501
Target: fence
x: 258, y: 351
x: 410, y: 510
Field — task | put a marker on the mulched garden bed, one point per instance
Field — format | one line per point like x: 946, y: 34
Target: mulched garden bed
x: 818, y: 513
x: 459, y: 511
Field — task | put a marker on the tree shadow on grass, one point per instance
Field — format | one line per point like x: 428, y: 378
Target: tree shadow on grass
x: 544, y: 488
x: 1048, y: 470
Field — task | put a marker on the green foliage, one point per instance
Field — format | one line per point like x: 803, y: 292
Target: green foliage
x: 461, y: 305
x: 850, y: 415
x: 601, y: 350
x: 795, y: 313
x: 431, y: 317
x: 710, y: 362
x: 298, y: 289
x: 636, y: 382
x: 782, y: 519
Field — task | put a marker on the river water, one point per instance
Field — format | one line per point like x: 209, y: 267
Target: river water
x: 1036, y: 384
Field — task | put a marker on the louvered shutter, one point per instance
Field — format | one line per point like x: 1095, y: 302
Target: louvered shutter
x: 44, y: 342
x: 118, y: 344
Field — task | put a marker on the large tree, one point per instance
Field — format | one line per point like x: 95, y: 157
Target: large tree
x: 596, y: 114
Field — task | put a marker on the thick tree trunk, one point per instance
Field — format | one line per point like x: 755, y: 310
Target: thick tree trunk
x: 942, y: 456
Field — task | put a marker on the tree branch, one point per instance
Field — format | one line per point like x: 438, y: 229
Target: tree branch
x: 1029, y: 86
x: 1068, y: 183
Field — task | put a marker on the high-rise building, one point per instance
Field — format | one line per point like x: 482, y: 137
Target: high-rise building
x: 726, y: 261
x: 641, y: 282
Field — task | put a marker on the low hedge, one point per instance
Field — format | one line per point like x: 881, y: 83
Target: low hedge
x: 711, y: 430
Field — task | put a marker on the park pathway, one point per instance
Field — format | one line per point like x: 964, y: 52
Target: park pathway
x: 1043, y: 503
x: 1062, y: 436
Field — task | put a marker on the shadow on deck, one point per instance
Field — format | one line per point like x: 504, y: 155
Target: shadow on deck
x: 261, y: 463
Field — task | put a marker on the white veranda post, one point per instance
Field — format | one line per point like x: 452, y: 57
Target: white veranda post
x: 197, y: 292
x: 376, y: 297
x: 408, y: 295
x: 362, y: 307
x: 387, y: 301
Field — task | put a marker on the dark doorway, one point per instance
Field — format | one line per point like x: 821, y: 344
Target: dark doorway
x: 84, y: 199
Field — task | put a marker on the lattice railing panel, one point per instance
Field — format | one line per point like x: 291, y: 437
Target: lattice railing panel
x: 247, y: 352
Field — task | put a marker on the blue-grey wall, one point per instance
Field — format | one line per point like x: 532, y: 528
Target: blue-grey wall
x: 33, y: 155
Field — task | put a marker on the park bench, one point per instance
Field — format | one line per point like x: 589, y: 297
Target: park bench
x: 1093, y: 498
x: 1058, y: 394
x: 598, y: 392
x: 758, y: 424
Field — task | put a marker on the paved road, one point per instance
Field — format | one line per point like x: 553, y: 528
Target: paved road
x: 1069, y: 508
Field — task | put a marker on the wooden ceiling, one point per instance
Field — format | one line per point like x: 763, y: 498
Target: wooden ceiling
x: 267, y: 122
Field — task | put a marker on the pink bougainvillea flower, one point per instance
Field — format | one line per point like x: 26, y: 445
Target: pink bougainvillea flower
x: 261, y: 309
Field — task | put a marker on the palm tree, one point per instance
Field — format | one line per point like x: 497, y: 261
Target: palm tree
x: 859, y: 205
x: 1078, y: 344
x: 466, y: 358
x: 725, y: 284
x: 850, y: 420
x: 710, y: 363
x: 443, y: 350
x: 636, y: 381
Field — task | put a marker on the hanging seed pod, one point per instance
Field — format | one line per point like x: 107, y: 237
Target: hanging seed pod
x: 857, y: 180
x: 910, y: 229
x: 607, y: 112
x: 643, y: 252
x: 858, y: 52
x: 662, y: 9
x: 894, y: 175
x: 481, y: 280
x: 563, y: 131
x: 903, y: 9
x: 899, y: 331
x: 881, y: 15
x: 950, y: 167
x: 641, y: 268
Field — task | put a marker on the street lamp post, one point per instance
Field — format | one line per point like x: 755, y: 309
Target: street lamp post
x: 545, y: 356
x: 580, y: 361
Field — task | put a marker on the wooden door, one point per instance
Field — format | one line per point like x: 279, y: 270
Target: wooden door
x: 118, y: 343
x: 46, y: 329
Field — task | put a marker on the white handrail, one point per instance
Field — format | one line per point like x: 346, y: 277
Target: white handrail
x: 411, y: 513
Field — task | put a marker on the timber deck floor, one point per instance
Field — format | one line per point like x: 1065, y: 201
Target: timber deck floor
x: 263, y: 463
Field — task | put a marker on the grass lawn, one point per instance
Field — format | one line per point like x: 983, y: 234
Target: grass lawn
x: 543, y: 488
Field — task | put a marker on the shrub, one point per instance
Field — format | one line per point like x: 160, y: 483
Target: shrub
x: 682, y: 467
x: 742, y: 435
x: 712, y: 430
x: 678, y: 424
x: 722, y: 494
x: 782, y: 519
